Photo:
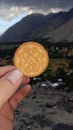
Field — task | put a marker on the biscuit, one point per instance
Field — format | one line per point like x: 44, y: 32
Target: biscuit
x: 31, y: 58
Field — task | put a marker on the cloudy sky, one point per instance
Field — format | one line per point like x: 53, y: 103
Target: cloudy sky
x: 11, y: 11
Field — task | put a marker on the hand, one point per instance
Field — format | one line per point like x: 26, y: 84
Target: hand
x: 10, y: 81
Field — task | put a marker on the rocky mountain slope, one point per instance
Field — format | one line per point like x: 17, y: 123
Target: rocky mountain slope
x: 63, y: 33
x: 56, y: 27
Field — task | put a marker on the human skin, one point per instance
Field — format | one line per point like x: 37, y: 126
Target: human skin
x: 10, y: 80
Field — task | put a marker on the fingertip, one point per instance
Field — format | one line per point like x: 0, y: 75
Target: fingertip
x: 28, y: 87
x: 26, y: 90
x: 26, y: 80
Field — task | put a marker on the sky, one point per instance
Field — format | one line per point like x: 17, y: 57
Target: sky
x: 12, y: 11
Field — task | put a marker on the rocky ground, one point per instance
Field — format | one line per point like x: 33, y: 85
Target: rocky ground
x: 43, y: 109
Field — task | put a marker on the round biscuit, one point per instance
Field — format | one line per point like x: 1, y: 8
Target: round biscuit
x: 31, y: 58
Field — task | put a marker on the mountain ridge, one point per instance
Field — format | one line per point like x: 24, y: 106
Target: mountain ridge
x: 39, y: 25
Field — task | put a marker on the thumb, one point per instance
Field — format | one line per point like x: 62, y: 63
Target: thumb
x: 9, y: 84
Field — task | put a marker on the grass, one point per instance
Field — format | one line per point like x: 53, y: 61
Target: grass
x: 55, y: 63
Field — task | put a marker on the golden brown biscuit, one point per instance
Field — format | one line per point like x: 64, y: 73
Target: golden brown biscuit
x: 31, y: 58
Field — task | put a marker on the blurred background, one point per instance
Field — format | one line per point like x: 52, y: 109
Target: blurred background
x: 46, y: 21
x: 49, y: 22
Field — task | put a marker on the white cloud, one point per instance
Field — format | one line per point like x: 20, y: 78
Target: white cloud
x: 12, y: 8
x: 1, y: 31
x: 55, y: 10
x: 9, y: 13
x: 45, y: 12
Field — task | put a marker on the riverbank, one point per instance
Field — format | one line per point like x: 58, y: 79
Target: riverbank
x: 43, y: 108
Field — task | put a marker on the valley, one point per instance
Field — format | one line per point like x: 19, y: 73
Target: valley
x: 61, y: 60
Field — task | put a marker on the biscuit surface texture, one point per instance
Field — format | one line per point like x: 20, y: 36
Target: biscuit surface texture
x: 31, y: 58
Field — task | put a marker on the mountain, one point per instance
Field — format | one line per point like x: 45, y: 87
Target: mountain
x: 56, y: 27
x: 22, y: 30
x: 63, y: 33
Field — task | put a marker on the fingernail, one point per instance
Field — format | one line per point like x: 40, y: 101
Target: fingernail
x: 15, y: 76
